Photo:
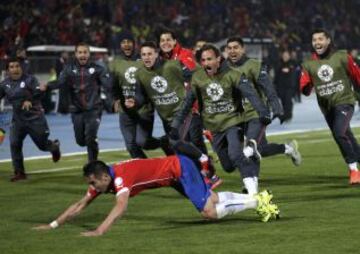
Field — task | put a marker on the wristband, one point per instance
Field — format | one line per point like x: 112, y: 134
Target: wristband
x: 54, y: 224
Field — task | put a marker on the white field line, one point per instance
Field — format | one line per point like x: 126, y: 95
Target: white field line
x: 63, y: 155
x: 117, y: 149
x: 53, y: 170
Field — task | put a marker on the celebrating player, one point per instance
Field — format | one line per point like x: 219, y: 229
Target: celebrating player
x: 331, y: 72
x: 22, y: 91
x: 84, y: 78
x: 219, y: 90
x: 253, y: 127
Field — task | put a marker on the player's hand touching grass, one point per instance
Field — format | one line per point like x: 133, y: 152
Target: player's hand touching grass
x: 42, y: 227
x: 91, y: 233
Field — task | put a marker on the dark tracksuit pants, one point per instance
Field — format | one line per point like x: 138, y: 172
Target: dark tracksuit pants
x: 39, y: 132
x: 137, y: 133
x: 195, y: 133
x: 228, y: 145
x: 191, y: 133
x: 86, y: 125
x: 338, y: 120
x: 254, y: 129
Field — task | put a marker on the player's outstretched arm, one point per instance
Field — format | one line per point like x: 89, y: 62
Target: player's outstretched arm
x: 117, y: 211
x: 69, y: 213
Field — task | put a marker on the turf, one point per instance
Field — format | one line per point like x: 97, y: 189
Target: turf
x: 319, y: 210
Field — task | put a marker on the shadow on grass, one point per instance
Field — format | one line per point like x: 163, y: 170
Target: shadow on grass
x: 231, y: 221
x: 307, y: 180
x: 319, y: 197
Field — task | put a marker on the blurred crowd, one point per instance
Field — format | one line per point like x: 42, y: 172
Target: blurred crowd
x: 287, y: 22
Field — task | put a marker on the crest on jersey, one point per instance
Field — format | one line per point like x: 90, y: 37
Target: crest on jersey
x: 325, y: 73
x: 130, y: 75
x: 118, y: 182
x: 215, y: 91
x: 91, y: 70
x: 159, y: 84
x: 22, y: 84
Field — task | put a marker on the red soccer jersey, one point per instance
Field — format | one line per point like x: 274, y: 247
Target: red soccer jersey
x: 141, y: 174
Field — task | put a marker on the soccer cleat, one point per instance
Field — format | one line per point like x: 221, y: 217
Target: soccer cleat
x: 354, y: 177
x: 266, y: 209
x: 56, y: 154
x: 271, y: 211
x: 253, y: 144
x: 295, y: 154
x: 264, y: 198
x: 18, y: 176
x: 274, y: 211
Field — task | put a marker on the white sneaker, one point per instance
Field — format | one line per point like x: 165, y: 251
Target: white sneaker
x: 295, y: 154
x: 253, y: 144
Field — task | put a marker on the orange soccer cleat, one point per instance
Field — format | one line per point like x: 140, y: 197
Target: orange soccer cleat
x: 354, y: 177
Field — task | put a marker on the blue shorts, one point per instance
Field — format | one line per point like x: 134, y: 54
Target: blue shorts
x: 193, y: 183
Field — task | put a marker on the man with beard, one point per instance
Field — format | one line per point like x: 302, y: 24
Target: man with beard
x: 84, y: 78
x: 219, y: 90
x: 331, y: 73
x: 253, y: 127
x: 23, y: 92
x: 136, y: 122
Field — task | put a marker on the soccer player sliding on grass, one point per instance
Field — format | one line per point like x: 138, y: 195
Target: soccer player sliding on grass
x: 127, y: 179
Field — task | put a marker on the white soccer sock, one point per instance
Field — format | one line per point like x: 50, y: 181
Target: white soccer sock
x: 353, y: 166
x: 227, y: 195
x: 233, y: 206
x: 288, y: 149
x: 248, y: 151
x: 256, y: 181
x: 250, y: 185
x: 203, y: 158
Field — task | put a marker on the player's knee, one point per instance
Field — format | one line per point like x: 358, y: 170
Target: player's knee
x: 43, y: 147
x: 228, y: 166
x: 90, y: 141
x: 229, y: 169
x: 209, y: 214
x: 80, y: 142
x: 142, y: 142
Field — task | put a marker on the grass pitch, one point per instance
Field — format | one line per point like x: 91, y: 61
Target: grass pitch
x: 319, y: 210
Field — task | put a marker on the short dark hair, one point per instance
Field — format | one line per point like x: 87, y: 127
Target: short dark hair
x: 12, y: 60
x: 332, y: 45
x: 165, y: 30
x: 150, y: 44
x: 96, y: 168
x: 82, y: 44
x: 321, y: 30
x: 236, y: 39
x: 209, y: 46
